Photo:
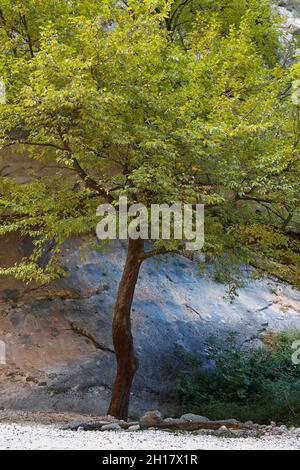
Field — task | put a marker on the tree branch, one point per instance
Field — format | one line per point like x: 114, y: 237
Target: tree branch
x: 256, y: 199
x: 3, y: 169
x: 164, y: 251
x: 29, y: 41
x: 158, y: 252
x: 91, y: 183
x: 179, y: 7
x: 88, y: 180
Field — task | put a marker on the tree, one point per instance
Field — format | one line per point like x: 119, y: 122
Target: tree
x: 182, y: 13
x: 109, y: 95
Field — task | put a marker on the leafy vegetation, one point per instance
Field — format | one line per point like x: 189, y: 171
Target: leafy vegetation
x: 100, y: 91
x: 160, y: 101
x: 260, y: 385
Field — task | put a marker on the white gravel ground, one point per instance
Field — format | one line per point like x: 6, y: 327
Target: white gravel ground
x: 25, y: 437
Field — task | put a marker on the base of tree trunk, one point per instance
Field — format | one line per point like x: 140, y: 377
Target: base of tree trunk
x: 127, y: 363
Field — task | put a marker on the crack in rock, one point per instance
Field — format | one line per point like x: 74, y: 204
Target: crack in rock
x: 82, y: 331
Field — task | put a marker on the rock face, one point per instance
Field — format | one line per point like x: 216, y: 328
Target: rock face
x: 291, y: 21
x: 290, y: 12
x: 58, y: 338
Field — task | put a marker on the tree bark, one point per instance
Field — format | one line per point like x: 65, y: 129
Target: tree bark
x: 127, y: 363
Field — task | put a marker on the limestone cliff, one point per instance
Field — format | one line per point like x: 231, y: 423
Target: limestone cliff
x: 58, y: 337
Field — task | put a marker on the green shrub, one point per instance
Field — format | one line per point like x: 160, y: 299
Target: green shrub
x: 261, y: 385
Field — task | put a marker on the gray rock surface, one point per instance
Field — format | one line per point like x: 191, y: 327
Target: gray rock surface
x: 111, y: 427
x: 224, y: 430
x: 58, y: 338
x: 134, y: 428
x: 290, y: 13
x: 151, y: 419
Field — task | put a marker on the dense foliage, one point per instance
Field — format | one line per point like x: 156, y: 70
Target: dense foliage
x: 261, y: 385
x: 162, y: 101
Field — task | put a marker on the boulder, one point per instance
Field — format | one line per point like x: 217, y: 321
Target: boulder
x: 134, y: 428
x: 224, y: 430
x: 151, y: 419
x: 230, y: 423
x: 111, y: 427
x: 191, y: 418
x: 194, y: 423
x: 92, y: 425
x: 283, y: 430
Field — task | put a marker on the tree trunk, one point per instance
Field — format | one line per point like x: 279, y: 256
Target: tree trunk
x: 127, y: 363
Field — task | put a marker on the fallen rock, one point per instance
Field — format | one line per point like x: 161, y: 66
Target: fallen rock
x: 111, y: 427
x: 109, y: 418
x: 283, y: 429
x: 134, y: 428
x: 127, y: 424
x: 224, y: 430
x: 92, y: 426
x: 151, y: 419
x: 279, y: 431
x: 191, y: 418
x: 131, y: 423
x: 297, y: 431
